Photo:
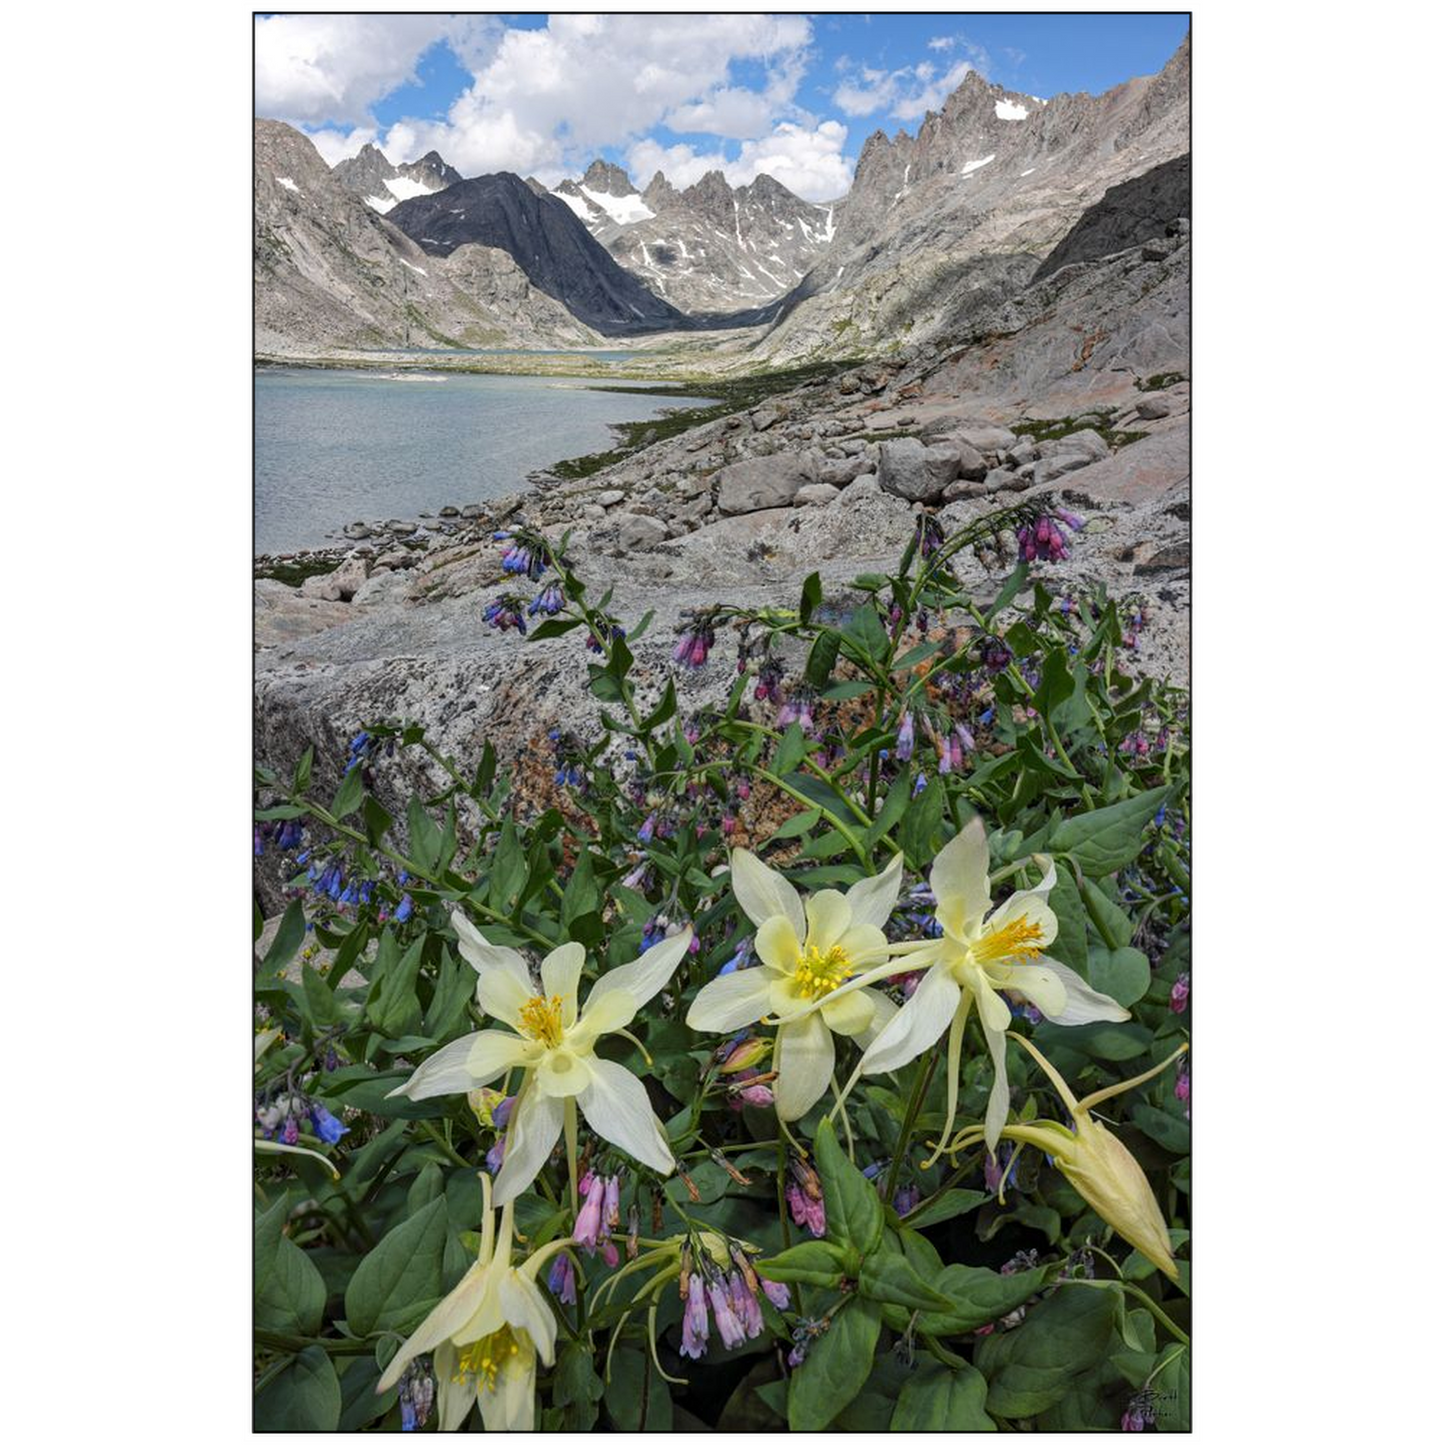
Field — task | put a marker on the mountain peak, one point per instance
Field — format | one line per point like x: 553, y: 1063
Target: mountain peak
x: 609, y: 179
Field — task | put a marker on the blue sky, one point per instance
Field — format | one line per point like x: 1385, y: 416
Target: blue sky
x: 790, y: 94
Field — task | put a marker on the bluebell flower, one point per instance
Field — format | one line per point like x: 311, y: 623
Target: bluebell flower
x: 403, y: 909
x: 328, y: 1127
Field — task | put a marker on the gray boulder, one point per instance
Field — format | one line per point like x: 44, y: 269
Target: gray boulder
x: 758, y: 483
x: 1026, y: 451
x: 637, y: 531
x: 817, y: 494
x: 1088, y: 441
x: 1050, y: 468
x: 917, y: 473
x: 840, y: 472
x: 1153, y: 408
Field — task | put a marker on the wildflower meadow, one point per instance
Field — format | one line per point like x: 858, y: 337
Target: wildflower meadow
x: 815, y: 1060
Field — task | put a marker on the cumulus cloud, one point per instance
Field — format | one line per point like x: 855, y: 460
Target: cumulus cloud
x: 338, y: 145
x: 808, y: 159
x: 314, y: 69
x: 549, y: 98
x: 906, y: 93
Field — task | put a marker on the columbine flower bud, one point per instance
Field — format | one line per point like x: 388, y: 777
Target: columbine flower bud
x: 745, y: 1055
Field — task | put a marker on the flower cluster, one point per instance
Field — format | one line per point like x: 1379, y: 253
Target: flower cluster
x: 696, y: 635
x: 731, y: 1294
x: 504, y: 612
x: 1042, y: 541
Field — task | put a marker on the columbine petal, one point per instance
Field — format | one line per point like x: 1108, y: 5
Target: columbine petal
x: 917, y: 1026
x: 828, y: 918
x: 512, y: 1406
x: 536, y: 1122
x: 441, y: 1324
x: 615, y: 1104
x: 996, y: 1115
x: 613, y: 1009
x: 483, y: 955
x: 524, y: 1309
x: 731, y: 1002
x: 500, y: 995
x: 1084, y: 1005
x: 465, y: 1063
x: 648, y: 975
x: 777, y: 945
x: 762, y: 893
x: 454, y: 1397
x: 994, y: 1012
x: 865, y: 945
x: 803, y: 1056
x: 1039, y: 984
x: 884, y: 1011
x: 851, y: 1014
x: 872, y: 899
x: 563, y: 1073
x: 959, y: 879
x: 560, y: 971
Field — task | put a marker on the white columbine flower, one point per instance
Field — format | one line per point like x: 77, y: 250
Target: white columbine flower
x: 979, y: 955
x: 553, y: 1043
x: 487, y: 1335
x: 808, y: 951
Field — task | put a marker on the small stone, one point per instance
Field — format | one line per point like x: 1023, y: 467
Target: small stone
x: 1153, y: 408
x: 962, y: 489
x: 1057, y: 466
x: 609, y: 498
x: 450, y: 511
x: 356, y: 530
x: 471, y: 511
x: 638, y: 531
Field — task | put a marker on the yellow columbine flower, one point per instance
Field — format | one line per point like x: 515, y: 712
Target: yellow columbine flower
x: 553, y: 1043
x: 1097, y: 1164
x: 808, y: 952
x: 979, y: 956
x: 487, y: 1335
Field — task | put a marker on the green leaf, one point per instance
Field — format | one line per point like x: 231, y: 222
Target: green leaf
x: 1011, y: 589
x: 580, y: 895
x: 855, y: 1214
x: 454, y: 985
x: 811, y: 1262
x: 376, y: 820
x: 1060, y: 1340
x: 289, y: 1291
x: 305, y: 1396
x: 288, y: 939
x: 509, y: 869
x: 894, y: 807
x: 1071, y: 946
x: 424, y: 836
x: 798, y: 824
x: 1115, y: 926
x: 576, y: 1384
x: 664, y: 709
x: 948, y: 1206
x: 637, y: 1397
x: 940, y: 1398
x: 401, y: 1278
x: 1109, y: 838
x: 393, y: 1007
x: 322, y: 1009
x: 301, y: 778
x: 1122, y: 973
x: 791, y: 750
x: 892, y: 1280
x: 822, y: 657
x: 812, y: 596
x: 866, y: 628
x: 920, y: 825
x: 348, y: 795
x: 978, y: 1296
x: 837, y: 1366
x: 1162, y: 1127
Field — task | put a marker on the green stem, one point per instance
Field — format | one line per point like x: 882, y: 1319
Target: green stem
x: 569, y: 1126
x: 905, y: 1134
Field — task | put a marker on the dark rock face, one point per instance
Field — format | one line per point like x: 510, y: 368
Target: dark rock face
x: 546, y: 240
x: 1129, y: 214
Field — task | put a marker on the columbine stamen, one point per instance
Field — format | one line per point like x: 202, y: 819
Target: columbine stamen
x: 482, y: 1360
x: 819, y: 973
x: 1018, y: 939
x: 541, y: 1019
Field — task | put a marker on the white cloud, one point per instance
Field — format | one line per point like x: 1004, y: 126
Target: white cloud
x: 337, y: 145
x: 319, y: 68
x: 548, y: 99
x: 809, y: 160
x: 906, y: 93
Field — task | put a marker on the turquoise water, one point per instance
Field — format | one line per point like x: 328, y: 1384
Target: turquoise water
x: 333, y: 447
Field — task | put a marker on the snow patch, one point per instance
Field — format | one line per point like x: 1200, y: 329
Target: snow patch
x: 1028, y: 172
x: 380, y: 203
x: 580, y: 208
x: 288, y: 183
x: 1009, y: 110
x: 403, y: 188
x: 973, y: 166
x: 623, y: 209
x: 410, y: 267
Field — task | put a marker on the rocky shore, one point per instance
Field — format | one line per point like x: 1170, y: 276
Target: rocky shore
x: 829, y: 477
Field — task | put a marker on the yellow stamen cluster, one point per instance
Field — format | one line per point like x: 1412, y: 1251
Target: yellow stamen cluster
x: 820, y: 973
x: 483, y: 1359
x: 1018, y: 939
x: 541, y: 1019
